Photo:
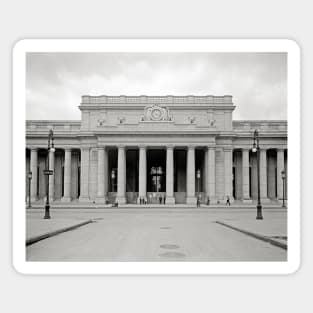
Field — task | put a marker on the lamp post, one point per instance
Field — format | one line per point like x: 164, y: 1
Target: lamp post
x: 283, y: 177
x: 29, y: 176
x: 48, y: 172
x: 198, y: 179
x: 256, y: 149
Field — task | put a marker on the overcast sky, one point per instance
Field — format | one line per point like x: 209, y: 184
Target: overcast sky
x: 55, y: 82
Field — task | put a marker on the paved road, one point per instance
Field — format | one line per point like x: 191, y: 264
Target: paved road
x: 154, y: 236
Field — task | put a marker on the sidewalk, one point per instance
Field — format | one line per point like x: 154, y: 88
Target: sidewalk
x: 273, y: 228
x: 39, y: 228
x: 62, y: 205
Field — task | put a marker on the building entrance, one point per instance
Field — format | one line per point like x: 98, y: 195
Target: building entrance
x: 156, y: 174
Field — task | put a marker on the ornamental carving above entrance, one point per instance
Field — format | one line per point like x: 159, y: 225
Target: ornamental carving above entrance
x: 156, y: 113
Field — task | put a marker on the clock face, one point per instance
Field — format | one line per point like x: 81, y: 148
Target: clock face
x: 156, y: 114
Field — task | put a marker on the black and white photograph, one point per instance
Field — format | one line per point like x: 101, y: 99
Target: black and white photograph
x: 166, y: 157
x: 156, y: 156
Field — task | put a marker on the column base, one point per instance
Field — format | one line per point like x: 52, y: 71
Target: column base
x: 33, y: 199
x: 83, y: 199
x: 191, y: 200
x: 66, y: 199
x: 265, y: 200
x: 281, y: 201
x: 121, y: 200
x: 101, y: 200
x: 212, y: 201
x: 248, y: 201
x: 169, y: 200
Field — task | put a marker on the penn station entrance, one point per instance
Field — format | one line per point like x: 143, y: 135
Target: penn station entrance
x: 158, y: 150
x: 147, y: 176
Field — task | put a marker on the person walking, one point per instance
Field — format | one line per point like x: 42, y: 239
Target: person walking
x: 228, y: 201
x: 198, y: 201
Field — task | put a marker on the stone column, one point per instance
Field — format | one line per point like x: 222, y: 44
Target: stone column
x: 34, y: 170
x: 67, y: 175
x: 102, y: 175
x: 170, y: 175
x: 211, y: 175
x: 205, y: 173
x: 263, y: 175
x: 121, y: 175
x: 142, y: 172
x: 84, y: 174
x: 191, y: 199
x: 51, y: 177
x: 280, y: 167
x: 245, y: 176
x: 228, y: 172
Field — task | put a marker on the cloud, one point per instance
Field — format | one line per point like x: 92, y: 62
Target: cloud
x: 55, y: 82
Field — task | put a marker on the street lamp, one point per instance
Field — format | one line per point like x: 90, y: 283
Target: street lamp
x: 256, y: 149
x: 48, y: 172
x: 198, y: 178
x: 283, y: 177
x: 29, y: 176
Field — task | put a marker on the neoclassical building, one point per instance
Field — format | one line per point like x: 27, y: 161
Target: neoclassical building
x: 168, y: 149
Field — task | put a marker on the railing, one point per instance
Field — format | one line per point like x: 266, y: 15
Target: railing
x: 55, y: 125
x: 261, y: 125
x: 90, y: 100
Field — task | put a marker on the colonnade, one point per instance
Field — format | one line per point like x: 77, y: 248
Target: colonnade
x: 209, y: 173
x: 280, y: 166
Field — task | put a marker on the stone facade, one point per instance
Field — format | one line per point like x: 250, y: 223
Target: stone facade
x: 169, y: 149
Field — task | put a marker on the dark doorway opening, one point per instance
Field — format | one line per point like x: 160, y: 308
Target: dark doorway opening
x: 234, y: 183
x: 156, y: 171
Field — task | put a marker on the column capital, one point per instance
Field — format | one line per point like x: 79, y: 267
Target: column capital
x: 211, y: 147
x: 142, y: 147
x: 170, y: 147
x: 84, y: 148
x: 100, y: 148
x: 121, y: 146
x: 33, y: 148
x: 280, y: 149
x: 67, y: 149
x: 228, y: 149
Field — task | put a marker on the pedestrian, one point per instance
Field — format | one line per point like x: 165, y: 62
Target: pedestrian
x: 228, y: 201
x: 198, y: 201
x: 208, y: 201
x: 160, y: 199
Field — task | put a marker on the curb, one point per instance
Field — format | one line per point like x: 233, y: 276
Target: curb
x: 257, y: 236
x: 149, y: 206
x: 35, y: 239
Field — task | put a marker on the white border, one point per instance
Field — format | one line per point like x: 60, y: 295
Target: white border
x: 156, y: 45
